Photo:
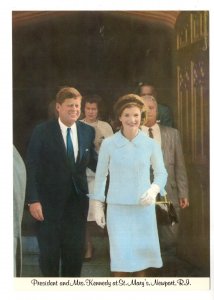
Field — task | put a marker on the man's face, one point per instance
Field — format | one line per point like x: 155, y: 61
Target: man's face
x: 91, y: 112
x: 69, y: 111
x: 151, y: 112
x: 146, y: 90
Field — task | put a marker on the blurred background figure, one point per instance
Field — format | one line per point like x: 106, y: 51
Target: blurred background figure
x: 19, y: 186
x: 52, y: 112
x: 92, y: 106
x: 164, y: 116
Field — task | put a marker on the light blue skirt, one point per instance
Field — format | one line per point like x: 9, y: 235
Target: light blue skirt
x: 133, y: 238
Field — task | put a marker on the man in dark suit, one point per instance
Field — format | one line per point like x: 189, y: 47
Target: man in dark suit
x: 59, y: 152
x: 164, y: 116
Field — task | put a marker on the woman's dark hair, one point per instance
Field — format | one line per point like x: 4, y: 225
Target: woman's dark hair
x: 92, y: 99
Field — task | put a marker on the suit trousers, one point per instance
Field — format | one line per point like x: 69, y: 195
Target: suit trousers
x: 62, y: 243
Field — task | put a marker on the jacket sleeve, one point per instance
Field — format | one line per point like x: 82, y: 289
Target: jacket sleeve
x: 32, y: 165
x: 180, y: 169
x: 93, y: 154
x: 160, y: 173
x: 19, y: 186
x: 101, y: 173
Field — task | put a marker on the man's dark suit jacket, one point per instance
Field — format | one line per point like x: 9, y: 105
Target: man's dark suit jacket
x: 50, y: 179
x: 164, y: 115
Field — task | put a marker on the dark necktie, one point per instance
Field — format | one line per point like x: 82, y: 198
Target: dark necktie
x: 70, y: 149
x: 151, y: 133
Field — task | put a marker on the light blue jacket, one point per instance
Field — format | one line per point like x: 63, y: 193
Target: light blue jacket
x: 128, y: 164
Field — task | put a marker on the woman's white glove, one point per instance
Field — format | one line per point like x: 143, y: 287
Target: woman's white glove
x: 149, y: 197
x: 99, y: 213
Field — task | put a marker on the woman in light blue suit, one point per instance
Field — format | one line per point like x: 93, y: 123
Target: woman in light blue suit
x: 131, y: 219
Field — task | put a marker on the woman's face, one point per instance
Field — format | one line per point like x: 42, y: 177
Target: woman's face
x: 91, y: 112
x: 131, y: 118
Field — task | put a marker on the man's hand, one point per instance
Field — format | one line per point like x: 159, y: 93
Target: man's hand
x: 183, y: 202
x: 36, y: 211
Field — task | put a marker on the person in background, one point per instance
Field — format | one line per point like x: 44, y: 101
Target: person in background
x: 131, y: 218
x: 58, y: 154
x: 19, y: 186
x: 177, y: 183
x: 164, y: 116
x: 52, y: 112
x: 91, y: 107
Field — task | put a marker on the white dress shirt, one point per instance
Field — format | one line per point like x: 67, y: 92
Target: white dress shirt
x: 155, y: 132
x: 74, y: 137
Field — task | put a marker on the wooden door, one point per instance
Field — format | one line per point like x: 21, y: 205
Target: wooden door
x: 192, y: 75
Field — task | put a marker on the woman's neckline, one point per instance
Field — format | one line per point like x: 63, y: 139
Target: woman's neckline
x: 131, y: 138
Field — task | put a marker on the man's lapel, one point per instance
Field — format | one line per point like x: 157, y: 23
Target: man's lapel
x: 163, y: 139
x: 57, y: 134
x: 80, y: 135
